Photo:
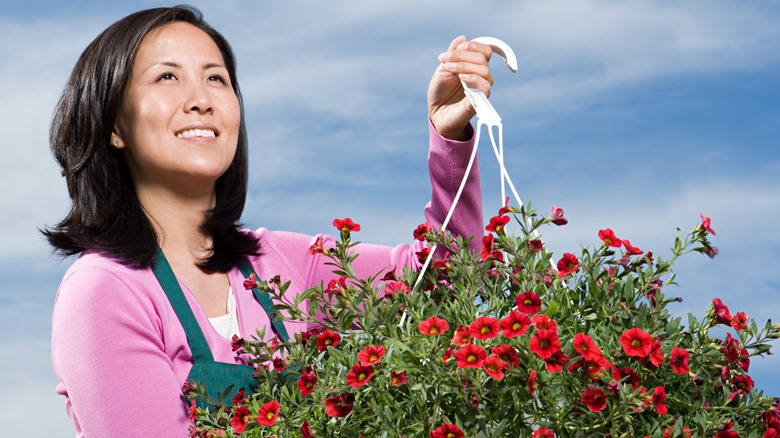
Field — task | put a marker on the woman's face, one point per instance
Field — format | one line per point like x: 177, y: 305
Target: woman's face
x: 180, y: 118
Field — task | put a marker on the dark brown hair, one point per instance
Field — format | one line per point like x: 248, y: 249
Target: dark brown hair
x: 105, y: 214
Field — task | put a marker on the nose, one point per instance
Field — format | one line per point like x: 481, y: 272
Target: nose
x: 198, y: 100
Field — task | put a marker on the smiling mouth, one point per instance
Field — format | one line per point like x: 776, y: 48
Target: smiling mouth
x: 192, y: 133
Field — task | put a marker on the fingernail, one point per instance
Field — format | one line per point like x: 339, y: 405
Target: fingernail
x: 463, y: 46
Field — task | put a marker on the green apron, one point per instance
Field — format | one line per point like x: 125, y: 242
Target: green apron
x: 214, y: 376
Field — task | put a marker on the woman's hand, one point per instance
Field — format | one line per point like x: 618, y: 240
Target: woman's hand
x: 448, y: 107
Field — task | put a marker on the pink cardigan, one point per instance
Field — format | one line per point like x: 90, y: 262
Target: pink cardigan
x: 121, y: 354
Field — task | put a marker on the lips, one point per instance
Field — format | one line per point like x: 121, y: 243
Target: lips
x: 193, y: 133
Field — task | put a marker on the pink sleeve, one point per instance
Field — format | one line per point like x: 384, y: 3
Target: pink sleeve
x: 447, y: 163
x: 107, y: 350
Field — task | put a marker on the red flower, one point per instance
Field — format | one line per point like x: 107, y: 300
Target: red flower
x: 543, y: 322
x: 545, y: 343
x: 742, y: 384
x: 705, y: 224
x: 442, y: 263
x: 508, y: 354
x: 433, y: 326
x: 317, y: 247
x: 422, y: 230
x: 239, y: 398
x: 495, y: 366
x: 532, y: 385
x: 279, y: 364
x: 636, y: 342
x: 732, y: 348
x: 739, y: 321
x: 586, y: 347
x: 484, y: 327
x: 535, y: 245
x: 608, y: 237
x: 556, y: 216
x: 359, y: 375
x: 630, y: 250
x: 251, y: 282
x: 327, y: 339
x: 620, y: 373
x: 241, y: 417
x: 595, y: 399
x: 422, y: 255
x: 337, y: 286
x: 656, y: 354
x: 394, y: 287
x: 308, y: 334
x: 679, y: 360
x: 305, y: 430
x: 398, y: 378
x: 669, y: 432
x: 528, y: 302
x: 489, y: 251
x: 266, y: 415
x: 568, y: 264
x: 340, y: 405
x: 462, y: 336
x: 447, y: 431
x: 192, y: 412
x: 591, y: 367
x: 727, y: 434
x: 497, y: 224
x: 722, y: 315
x: 506, y: 208
x: 515, y: 324
x: 554, y: 363
x: 470, y: 356
x: 345, y: 225
x: 237, y: 343
x: 658, y: 399
x: 543, y: 432
x: 447, y: 354
x: 306, y: 383
x: 371, y: 355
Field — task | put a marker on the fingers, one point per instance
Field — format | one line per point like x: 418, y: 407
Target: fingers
x: 469, y: 60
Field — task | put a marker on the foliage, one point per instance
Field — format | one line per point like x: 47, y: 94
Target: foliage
x: 505, y: 343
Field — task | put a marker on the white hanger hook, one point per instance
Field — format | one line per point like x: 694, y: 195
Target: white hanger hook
x: 502, y: 49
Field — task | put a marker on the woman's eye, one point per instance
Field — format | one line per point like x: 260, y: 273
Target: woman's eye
x: 218, y: 78
x: 165, y: 77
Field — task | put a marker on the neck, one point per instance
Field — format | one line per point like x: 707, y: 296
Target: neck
x: 176, y: 220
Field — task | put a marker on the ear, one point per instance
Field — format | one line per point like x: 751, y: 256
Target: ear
x: 116, y: 140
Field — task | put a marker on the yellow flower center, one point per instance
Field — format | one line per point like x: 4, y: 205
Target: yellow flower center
x: 484, y: 330
x: 516, y: 326
x: 270, y: 415
x: 471, y: 358
x: 373, y: 357
x: 434, y: 331
x: 636, y: 343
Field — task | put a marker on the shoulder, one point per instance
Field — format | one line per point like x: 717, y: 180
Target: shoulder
x: 98, y: 285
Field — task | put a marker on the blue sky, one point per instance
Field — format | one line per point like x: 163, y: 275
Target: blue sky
x: 632, y: 115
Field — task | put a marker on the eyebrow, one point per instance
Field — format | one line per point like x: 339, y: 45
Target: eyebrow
x: 177, y: 65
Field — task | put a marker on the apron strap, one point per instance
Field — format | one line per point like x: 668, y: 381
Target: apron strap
x: 276, y: 324
x: 200, y: 348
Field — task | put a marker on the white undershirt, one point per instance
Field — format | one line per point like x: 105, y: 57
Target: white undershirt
x: 227, y: 324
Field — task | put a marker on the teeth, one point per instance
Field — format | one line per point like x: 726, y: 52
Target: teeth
x: 196, y: 133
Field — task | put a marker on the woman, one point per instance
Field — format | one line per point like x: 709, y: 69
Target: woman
x: 151, y: 138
